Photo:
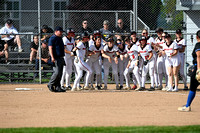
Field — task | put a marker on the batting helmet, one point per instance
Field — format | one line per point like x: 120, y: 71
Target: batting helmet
x: 84, y: 35
x: 96, y: 33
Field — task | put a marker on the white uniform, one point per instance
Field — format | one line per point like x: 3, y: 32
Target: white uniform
x: 160, y: 66
x: 181, y: 43
x: 107, y: 64
x: 67, y: 69
x: 122, y: 64
x: 150, y: 65
x: 174, y: 60
x: 6, y: 30
x: 93, y: 62
x: 81, y: 65
x: 133, y: 56
x: 151, y: 40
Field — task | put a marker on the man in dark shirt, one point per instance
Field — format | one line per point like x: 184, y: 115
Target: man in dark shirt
x: 34, y: 48
x: 56, y: 50
x: 85, y: 27
x: 121, y: 27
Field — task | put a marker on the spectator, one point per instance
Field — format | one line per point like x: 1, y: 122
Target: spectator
x: 105, y: 30
x: 34, y: 48
x: 85, y: 27
x: 121, y: 27
x: 11, y: 40
x: 45, y: 57
x: 46, y: 29
x: 4, y: 50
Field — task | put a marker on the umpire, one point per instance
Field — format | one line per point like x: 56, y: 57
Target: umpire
x: 56, y: 50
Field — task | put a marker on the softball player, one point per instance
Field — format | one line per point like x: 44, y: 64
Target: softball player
x: 146, y: 53
x: 110, y: 60
x: 172, y: 61
x: 181, y: 44
x: 122, y: 61
x: 160, y: 66
x: 151, y: 42
x: 132, y: 51
x: 80, y: 64
x: 95, y: 52
x: 68, y: 46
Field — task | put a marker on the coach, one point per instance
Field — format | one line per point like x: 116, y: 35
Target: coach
x: 56, y: 50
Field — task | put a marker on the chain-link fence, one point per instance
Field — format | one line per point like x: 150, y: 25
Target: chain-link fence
x: 70, y: 14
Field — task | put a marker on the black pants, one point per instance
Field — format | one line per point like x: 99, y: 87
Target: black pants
x: 57, y: 72
x: 193, y: 82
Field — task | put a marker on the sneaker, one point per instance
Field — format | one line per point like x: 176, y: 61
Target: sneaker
x: 151, y: 89
x: 105, y: 88
x: 7, y: 63
x: 127, y: 88
x: 117, y: 87
x: 20, y: 50
x: 30, y: 62
x: 184, y: 108
x: 141, y: 89
x: 134, y: 87
x: 185, y: 88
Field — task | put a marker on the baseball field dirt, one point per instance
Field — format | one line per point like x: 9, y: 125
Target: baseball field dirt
x: 42, y: 108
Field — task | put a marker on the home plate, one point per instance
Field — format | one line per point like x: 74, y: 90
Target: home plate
x: 27, y: 89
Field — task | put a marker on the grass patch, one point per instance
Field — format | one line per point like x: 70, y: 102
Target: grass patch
x: 142, y: 129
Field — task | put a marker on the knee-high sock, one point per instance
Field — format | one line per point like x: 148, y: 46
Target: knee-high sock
x: 191, y: 96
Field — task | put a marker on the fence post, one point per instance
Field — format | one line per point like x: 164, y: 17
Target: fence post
x: 39, y: 48
x: 116, y: 18
x: 64, y: 20
x: 135, y: 17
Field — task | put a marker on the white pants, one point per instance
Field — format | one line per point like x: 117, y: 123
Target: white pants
x: 135, y: 70
x: 80, y: 66
x: 148, y: 68
x: 107, y: 65
x: 67, y: 71
x: 121, y: 67
x: 161, y: 69
x: 96, y: 67
x: 182, y: 60
x: 155, y: 69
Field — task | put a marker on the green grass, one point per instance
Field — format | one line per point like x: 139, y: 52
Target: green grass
x: 144, y: 129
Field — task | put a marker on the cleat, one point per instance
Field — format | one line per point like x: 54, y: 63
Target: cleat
x: 134, y: 87
x: 151, y: 89
x: 185, y: 88
x: 165, y: 89
x: 156, y: 88
x: 97, y: 88
x: 127, y: 88
x: 68, y: 87
x: 86, y: 88
x: 159, y: 87
x: 73, y: 89
x: 51, y: 88
x: 175, y: 90
x: 184, y: 109
x: 169, y: 90
x: 92, y: 87
x: 141, y: 89
x: 117, y: 87
x: 63, y: 88
x: 20, y: 50
x: 105, y: 88
x: 121, y: 87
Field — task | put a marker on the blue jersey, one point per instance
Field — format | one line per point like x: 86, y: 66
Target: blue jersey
x: 58, y: 46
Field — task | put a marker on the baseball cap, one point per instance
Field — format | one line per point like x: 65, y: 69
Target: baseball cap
x: 78, y: 38
x: 45, y: 41
x: 158, y: 30
x: 58, y: 28
x: 9, y: 21
x: 105, y: 22
x: 109, y: 39
x: 45, y: 27
x: 178, y: 31
x: 167, y: 36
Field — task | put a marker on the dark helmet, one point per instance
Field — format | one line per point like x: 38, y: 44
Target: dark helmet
x: 109, y: 38
x: 142, y: 38
x: 84, y: 35
x: 69, y: 30
x: 159, y: 30
x: 96, y: 33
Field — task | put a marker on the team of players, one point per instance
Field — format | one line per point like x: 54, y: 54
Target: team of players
x: 124, y: 55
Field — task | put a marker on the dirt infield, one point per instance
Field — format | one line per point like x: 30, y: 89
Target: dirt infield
x: 42, y: 108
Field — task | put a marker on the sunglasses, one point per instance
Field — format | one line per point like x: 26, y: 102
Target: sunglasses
x: 119, y: 23
x: 144, y: 33
x: 85, y: 23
